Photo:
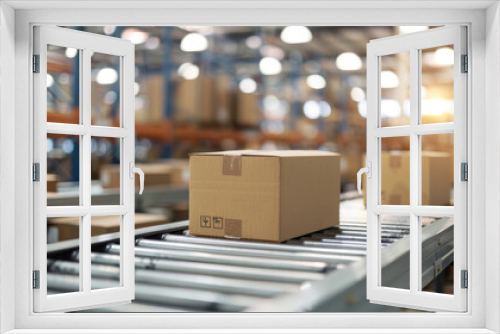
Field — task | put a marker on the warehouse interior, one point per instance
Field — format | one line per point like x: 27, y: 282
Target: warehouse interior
x: 226, y: 88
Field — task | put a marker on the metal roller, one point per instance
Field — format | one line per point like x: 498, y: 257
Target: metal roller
x: 262, y: 274
x: 346, y: 256
x: 177, y: 272
x: 256, y: 245
x: 183, y: 280
x: 201, y: 300
x: 245, y: 261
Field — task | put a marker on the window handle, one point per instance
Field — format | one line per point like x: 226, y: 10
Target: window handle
x: 141, y: 175
x: 368, y: 171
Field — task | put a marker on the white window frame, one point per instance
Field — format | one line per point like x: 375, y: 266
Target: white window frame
x: 484, y: 35
x: 85, y: 43
x: 415, y: 297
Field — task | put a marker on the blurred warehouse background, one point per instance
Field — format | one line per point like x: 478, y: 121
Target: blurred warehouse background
x: 225, y: 88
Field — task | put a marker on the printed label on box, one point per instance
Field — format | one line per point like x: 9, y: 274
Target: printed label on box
x: 205, y: 221
x: 218, y: 223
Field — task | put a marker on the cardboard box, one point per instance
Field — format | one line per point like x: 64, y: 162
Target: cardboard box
x: 395, y: 174
x: 194, y: 100
x: 68, y: 227
x: 263, y: 195
x: 350, y: 164
x: 154, y: 175
x: 52, y: 183
x: 224, y: 100
x: 247, y: 109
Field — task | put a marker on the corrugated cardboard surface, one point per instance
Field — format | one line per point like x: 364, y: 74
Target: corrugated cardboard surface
x: 247, y: 109
x: 52, y: 181
x: 68, y: 227
x: 395, y: 178
x: 277, y: 195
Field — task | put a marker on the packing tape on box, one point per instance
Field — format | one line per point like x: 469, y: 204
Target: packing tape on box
x: 233, y: 229
x: 231, y: 164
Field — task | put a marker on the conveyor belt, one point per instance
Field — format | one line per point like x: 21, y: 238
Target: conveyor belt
x: 323, y: 271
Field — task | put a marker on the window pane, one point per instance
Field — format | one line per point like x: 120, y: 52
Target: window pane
x: 63, y: 170
x: 63, y: 86
x: 395, y: 89
x: 437, y: 169
x: 395, y: 265
x: 437, y: 85
x: 437, y: 255
x: 63, y: 268
x: 395, y: 171
x: 105, y: 93
x: 105, y: 275
x: 106, y: 158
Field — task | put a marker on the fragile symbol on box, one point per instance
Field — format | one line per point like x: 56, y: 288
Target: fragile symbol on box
x: 205, y: 221
x: 218, y: 223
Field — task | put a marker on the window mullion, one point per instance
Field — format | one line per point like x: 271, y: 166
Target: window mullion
x: 85, y: 161
x: 415, y: 170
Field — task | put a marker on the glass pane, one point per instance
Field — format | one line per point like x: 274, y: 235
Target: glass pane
x: 105, y: 87
x: 395, y: 266
x: 437, y: 255
x: 63, y: 84
x: 437, y: 85
x: 395, y: 89
x: 395, y: 171
x: 437, y: 169
x: 105, y: 166
x: 63, y: 268
x: 63, y: 170
x: 105, y: 275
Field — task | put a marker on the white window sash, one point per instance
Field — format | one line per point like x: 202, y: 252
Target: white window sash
x: 86, y: 297
x: 414, y: 297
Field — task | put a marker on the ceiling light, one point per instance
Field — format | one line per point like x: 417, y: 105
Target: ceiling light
x: 312, y: 109
x: 67, y: 146
x: 325, y: 109
x: 362, y: 108
x: 436, y: 107
x: 71, y: 52
x: 110, y: 97
x: 137, y: 88
x: 271, y: 102
x: 109, y: 30
x: 50, y: 144
x: 153, y: 43
x: 390, y: 109
x: 357, y: 94
x: 107, y: 76
x: 253, y: 42
x: 270, y: 66
x: 423, y: 92
x: 389, y: 79
x: 409, y: 29
x: 316, y: 81
x: 248, y: 85
x: 444, y: 56
x: 189, y: 71
x: 272, y: 51
x: 406, y: 107
x: 50, y: 80
x: 135, y: 35
x: 63, y: 78
x: 348, y: 61
x: 194, y: 42
x: 296, y: 35
x: 274, y: 109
